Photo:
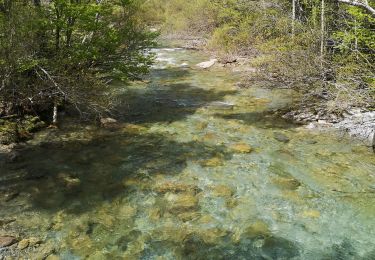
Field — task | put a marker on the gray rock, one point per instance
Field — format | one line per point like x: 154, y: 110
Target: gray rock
x: 207, y: 64
x: 108, y: 122
x: 360, y: 125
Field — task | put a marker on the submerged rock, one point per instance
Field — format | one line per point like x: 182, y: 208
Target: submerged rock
x: 310, y: 214
x: 220, y: 105
x: 202, y: 125
x: 10, y: 195
x: 178, y: 203
x: 45, y: 250
x: 6, y: 241
x: 212, y: 235
x: 53, y: 257
x: 213, y: 162
x: 175, y: 187
x: 222, y: 191
x: 127, y: 212
x: 241, y: 148
x: 188, y: 216
x: 6, y: 221
x: 281, y: 137
x: 33, y: 241
x: 211, y: 137
x: 24, y: 243
x: 258, y: 229
x: 286, y: 183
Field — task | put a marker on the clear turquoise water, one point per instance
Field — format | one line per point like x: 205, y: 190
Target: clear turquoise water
x: 185, y: 176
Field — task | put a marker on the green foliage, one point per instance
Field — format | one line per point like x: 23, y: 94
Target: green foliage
x: 291, y: 57
x: 65, y: 50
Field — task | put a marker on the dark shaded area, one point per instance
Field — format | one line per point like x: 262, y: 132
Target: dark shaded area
x: 57, y: 175
x: 260, y: 248
x: 269, y: 248
x: 261, y: 119
x: 346, y: 251
x: 166, y: 103
x: 169, y: 74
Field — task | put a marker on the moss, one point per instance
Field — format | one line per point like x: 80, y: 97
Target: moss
x: 19, y: 129
x: 32, y: 124
x: 8, y: 132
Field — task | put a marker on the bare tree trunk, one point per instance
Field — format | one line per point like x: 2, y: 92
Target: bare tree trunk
x: 293, y: 17
x: 355, y: 39
x: 322, y: 33
x: 54, y: 116
x: 58, y: 30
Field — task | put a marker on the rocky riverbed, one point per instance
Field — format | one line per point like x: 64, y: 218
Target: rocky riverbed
x: 195, y: 167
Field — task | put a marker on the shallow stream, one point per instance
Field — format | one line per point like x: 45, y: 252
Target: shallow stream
x: 196, y: 168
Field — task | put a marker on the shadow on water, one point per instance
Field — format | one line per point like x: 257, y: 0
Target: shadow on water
x: 166, y: 103
x: 249, y: 248
x: 261, y: 119
x: 56, y: 176
x: 169, y: 74
x: 58, y: 173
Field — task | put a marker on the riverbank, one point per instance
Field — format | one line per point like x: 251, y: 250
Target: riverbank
x: 357, y: 122
x: 14, y: 130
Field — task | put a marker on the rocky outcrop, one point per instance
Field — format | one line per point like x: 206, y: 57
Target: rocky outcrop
x: 359, y: 124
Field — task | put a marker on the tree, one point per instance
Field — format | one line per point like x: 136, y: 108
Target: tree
x: 66, y: 51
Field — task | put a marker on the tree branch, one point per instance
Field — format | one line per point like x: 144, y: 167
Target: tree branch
x: 363, y: 5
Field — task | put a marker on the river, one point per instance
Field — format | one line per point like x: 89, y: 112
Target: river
x: 196, y: 168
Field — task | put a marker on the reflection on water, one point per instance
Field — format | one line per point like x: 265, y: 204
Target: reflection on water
x: 196, y: 169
